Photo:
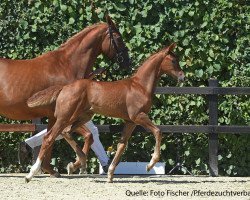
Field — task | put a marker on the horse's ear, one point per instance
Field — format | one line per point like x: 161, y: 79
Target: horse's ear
x: 170, y: 48
x: 109, y: 21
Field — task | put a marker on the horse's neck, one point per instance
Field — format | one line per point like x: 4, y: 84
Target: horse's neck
x: 149, y: 73
x: 81, y: 52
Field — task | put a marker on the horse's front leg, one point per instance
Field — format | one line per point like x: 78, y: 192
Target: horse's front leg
x: 126, y: 134
x: 88, y: 141
x: 143, y: 120
x: 48, y: 140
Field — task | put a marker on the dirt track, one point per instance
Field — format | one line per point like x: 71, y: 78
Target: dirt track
x: 94, y: 187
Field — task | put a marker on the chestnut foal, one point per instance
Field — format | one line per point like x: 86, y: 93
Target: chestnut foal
x: 129, y: 99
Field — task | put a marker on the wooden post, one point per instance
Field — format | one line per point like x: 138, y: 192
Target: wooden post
x: 213, y: 136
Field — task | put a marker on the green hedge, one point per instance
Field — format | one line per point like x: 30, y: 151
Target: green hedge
x: 213, y: 42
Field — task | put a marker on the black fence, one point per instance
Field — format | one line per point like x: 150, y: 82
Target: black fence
x: 212, y: 92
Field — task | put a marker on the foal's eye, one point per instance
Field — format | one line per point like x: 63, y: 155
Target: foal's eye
x: 174, y: 62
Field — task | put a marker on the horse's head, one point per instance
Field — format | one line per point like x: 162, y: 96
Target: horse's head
x: 113, y: 45
x: 170, y: 64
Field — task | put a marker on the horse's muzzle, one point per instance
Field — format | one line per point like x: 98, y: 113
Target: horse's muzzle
x: 126, y: 63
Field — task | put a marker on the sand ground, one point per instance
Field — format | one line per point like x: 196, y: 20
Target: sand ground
x: 12, y: 186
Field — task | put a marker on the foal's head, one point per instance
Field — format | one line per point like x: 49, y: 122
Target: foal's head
x: 170, y: 64
x: 113, y: 45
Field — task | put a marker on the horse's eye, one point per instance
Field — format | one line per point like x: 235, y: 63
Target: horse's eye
x: 119, y: 39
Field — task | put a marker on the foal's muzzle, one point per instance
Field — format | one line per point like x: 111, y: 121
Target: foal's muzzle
x: 181, y: 76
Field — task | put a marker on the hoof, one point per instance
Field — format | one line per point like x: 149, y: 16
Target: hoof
x: 110, y: 177
x: 110, y: 181
x: 70, y: 168
x: 26, y: 180
x: 55, y: 175
x: 82, y: 171
x: 148, y: 168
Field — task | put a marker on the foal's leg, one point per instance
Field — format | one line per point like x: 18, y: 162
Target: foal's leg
x: 126, y: 134
x: 88, y: 138
x: 88, y: 141
x: 80, y: 126
x: 46, y: 166
x: 143, y: 120
x: 81, y: 155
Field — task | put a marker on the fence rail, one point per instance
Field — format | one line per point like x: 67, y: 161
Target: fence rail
x: 118, y: 128
x: 204, y: 90
x: 212, y: 91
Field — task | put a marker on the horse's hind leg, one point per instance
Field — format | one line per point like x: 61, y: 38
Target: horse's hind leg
x: 48, y: 140
x: 143, y: 120
x: 46, y: 166
x: 88, y: 141
x: 126, y: 134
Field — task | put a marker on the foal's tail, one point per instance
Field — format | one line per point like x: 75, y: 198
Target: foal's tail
x: 44, y: 97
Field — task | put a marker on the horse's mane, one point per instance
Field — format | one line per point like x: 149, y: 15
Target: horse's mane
x: 80, y: 34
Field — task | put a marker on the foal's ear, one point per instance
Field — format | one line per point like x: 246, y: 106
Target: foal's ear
x: 109, y: 21
x: 170, y: 48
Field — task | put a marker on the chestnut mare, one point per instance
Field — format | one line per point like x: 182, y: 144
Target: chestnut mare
x: 129, y: 99
x: 20, y: 79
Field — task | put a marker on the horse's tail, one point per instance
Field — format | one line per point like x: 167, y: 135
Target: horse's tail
x: 44, y: 97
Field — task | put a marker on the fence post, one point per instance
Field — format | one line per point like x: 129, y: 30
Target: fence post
x: 213, y: 136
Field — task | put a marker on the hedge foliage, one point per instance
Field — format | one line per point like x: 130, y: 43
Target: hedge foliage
x: 213, y: 42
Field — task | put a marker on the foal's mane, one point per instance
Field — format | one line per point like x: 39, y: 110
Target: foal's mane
x: 148, y: 59
x: 81, y: 34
